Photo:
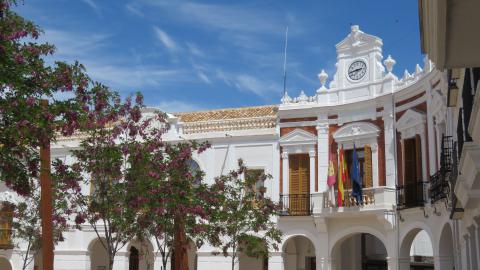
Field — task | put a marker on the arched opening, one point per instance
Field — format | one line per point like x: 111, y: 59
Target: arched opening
x: 299, y: 254
x: 5, y: 264
x: 445, y: 248
x: 416, y: 252
x: 248, y: 262
x: 98, y: 255
x: 141, y: 256
x: 360, y: 251
x: 134, y: 259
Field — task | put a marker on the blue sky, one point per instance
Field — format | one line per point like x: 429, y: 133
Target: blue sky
x: 193, y: 55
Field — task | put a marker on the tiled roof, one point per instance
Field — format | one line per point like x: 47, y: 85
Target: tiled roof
x: 227, y: 114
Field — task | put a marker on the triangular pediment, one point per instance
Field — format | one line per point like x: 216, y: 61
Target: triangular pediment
x: 298, y: 136
x: 410, y: 119
x: 357, y: 130
x: 358, y: 39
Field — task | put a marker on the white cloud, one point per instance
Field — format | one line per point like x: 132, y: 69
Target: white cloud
x: 134, y: 9
x: 71, y: 46
x: 261, y: 88
x: 204, y: 77
x: 194, y: 50
x: 94, y: 6
x: 173, y: 106
x: 165, y: 39
x: 134, y: 78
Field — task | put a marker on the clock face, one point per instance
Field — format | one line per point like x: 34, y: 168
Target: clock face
x: 357, y: 70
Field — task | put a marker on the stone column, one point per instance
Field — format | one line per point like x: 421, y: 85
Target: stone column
x: 323, y: 155
x: 431, y: 135
x: 468, y: 252
x: 389, y: 145
x: 423, y: 140
x: 404, y: 263
x: 392, y: 263
x: 275, y: 261
x: 285, y: 172
x: 311, y: 154
x: 474, y: 253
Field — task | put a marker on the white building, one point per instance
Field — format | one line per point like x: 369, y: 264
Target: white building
x: 399, y: 127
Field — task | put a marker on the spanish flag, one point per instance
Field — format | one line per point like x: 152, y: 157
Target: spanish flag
x: 331, y: 173
x: 342, y: 177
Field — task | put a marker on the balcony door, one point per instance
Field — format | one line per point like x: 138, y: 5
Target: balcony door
x: 412, y: 180
x: 299, y: 202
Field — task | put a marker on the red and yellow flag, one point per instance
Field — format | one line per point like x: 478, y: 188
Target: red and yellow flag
x: 342, y: 176
x: 331, y: 172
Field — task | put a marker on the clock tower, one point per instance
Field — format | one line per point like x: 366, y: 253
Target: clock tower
x: 359, y: 60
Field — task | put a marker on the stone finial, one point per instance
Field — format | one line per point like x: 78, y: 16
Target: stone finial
x: 302, y: 98
x: 418, y: 69
x: 406, y: 75
x: 389, y: 63
x: 427, y: 64
x: 355, y: 28
x: 323, y: 76
x: 286, y: 98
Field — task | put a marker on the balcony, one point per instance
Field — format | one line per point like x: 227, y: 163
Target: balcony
x: 296, y: 204
x: 380, y: 198
x: 439, y: 182
x: 412, y: 195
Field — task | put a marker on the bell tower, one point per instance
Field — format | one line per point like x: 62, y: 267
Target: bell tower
x: 359, y: 60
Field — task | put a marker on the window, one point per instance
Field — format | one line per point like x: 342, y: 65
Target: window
x: 259, y: 186
x: 6, y: 216
x: 195, y: 170
x: 365, y: 163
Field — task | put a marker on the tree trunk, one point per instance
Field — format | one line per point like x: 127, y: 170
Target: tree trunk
x: 180, y: 258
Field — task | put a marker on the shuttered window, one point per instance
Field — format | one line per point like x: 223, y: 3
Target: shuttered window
x: 298, y: 199
x: 299, y: 166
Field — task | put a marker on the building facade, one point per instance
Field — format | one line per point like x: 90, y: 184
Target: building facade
x: 401, y: 132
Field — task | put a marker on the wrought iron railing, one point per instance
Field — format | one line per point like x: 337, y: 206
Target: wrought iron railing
x: 412, y: 194
x: 452, y: 179
x: 439, y: 184
x: 296, y: 204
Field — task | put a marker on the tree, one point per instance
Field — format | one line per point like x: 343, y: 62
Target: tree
x: 246, y: 218
x: 26, y: 221
x: 104, y: 162
x: 25, y: 122
x: 178, y: 208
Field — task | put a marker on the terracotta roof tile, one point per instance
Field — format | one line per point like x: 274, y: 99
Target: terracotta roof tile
x: 226, y: 114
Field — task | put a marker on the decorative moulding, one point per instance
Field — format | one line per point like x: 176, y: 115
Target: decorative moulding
x: 298, y: 137
x: 411, y: 123
x: 355, y: 132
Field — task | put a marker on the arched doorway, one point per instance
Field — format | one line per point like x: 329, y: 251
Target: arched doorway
x: 5, y: 264
x: 98, y: 255
x: 445, y: 249
x: 249, y: 263
x: 359, y: 251
x: 141, y: 256
x: 416, y: 252
x: 299, y: 254
x: 134, y: 259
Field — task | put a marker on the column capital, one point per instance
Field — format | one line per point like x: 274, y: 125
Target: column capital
x: 322, y: 128
x: 311, y: 153
x: 284, y: 155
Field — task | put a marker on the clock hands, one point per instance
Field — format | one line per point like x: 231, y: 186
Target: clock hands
x: 355, y: 70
